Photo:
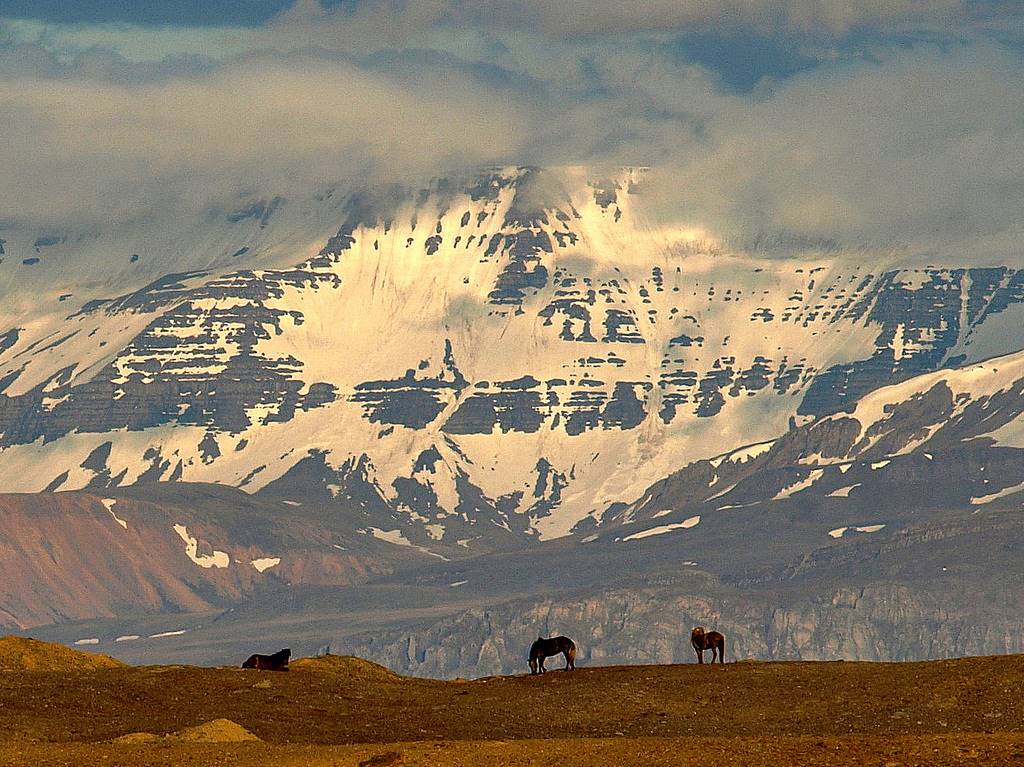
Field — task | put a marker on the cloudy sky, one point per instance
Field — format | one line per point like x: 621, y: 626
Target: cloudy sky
x: 880, y: 122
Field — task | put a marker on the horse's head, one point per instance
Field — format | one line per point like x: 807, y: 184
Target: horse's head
x: 697, y: 632
x: 536, y: 653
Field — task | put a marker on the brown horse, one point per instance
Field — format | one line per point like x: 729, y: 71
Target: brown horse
x: 702, y: 640
x: 545, y: 648
x: 276, y: 662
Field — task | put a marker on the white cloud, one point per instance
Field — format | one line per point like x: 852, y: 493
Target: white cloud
x: 81, y: 149
x: 921, y: 148
x: 926, y: 151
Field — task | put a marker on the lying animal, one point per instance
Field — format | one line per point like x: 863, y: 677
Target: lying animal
x: 544, y: 648
x: 702, y: 640
x: 276, y: 662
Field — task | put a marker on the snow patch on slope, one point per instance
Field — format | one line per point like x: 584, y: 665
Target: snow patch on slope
x: 686, y: 524
x: 391, y: 536
x: 977, y: 501
x: 109, y: 504
x: 217, y: 559
x: 803, y: 484
x: 398, y: 538
x: 839, y: 532
x: 1010, y: 434
x: 843, y: 492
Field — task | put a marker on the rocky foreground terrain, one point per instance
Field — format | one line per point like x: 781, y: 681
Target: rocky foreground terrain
x: 64, y: 707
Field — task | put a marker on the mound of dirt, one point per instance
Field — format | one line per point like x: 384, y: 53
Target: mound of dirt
x: 22, y: 654
x: 347, y: 665
x: 215, y: 731
x: 136, y: 737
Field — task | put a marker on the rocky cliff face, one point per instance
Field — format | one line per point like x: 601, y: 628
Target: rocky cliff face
x: 931, y: 593
x: 884, y: 623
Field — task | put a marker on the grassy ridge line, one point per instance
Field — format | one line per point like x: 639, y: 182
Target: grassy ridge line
x: 22, y: 654
x: 334, y: 701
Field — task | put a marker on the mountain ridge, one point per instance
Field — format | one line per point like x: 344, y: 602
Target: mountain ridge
x: 543, y: 322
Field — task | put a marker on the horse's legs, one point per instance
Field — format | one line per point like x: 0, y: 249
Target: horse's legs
x: 569, y: 665
x: 542, y: 669
x: 700, y: 655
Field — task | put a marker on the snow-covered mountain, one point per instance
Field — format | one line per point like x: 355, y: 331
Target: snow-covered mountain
x: 926, y: 450
x: 467, y: 366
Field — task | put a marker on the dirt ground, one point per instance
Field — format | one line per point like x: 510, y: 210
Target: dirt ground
x: 338, y: 711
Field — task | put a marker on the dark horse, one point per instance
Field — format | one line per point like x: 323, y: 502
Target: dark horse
x: 702, y: 640
x: 545, y: 648
x: 276, y: 662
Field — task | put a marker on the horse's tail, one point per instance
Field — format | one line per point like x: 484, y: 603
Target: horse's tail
x: 570, y: 654
x: 721, y: 651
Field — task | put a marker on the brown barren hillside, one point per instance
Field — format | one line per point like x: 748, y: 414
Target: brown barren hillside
x: 22, y: 654
x: 345, y: 711
x: 190, y: 548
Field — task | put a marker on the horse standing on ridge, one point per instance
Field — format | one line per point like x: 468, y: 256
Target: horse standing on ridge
x: 702, y: 640
x: 276, y: 662
x: 545, y: 648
